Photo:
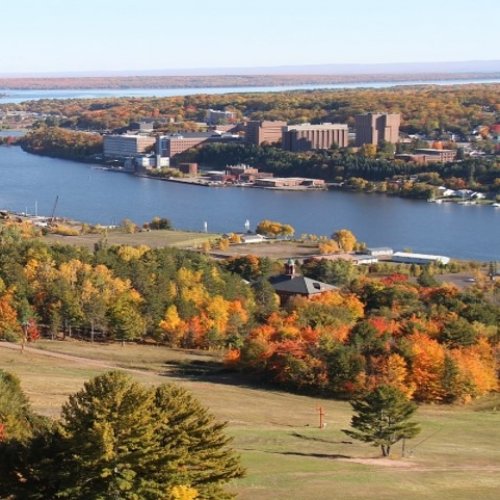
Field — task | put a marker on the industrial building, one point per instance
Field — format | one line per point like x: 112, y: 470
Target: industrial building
x: 306, y: 137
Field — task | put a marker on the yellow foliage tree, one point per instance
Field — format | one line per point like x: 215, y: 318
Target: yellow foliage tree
x: 329, y: 246
x: 345, y: 239
x: 183, y: 492
x: 173, y: 325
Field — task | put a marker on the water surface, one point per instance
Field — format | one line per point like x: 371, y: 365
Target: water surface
x: 89, y: 193
x: 17, y: 96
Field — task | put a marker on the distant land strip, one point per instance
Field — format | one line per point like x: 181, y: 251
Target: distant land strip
x: 212, y: 81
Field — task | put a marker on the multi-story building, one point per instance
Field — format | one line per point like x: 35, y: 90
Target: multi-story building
x: 306, y: 136
x: 259, y: 131
x: 442, y: 155
x: 215, y: 116
x: 376, y: 128
x: 126, y: 146
x: 174, y: 144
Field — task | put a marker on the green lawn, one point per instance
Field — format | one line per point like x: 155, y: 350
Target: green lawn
x: 456, y: 456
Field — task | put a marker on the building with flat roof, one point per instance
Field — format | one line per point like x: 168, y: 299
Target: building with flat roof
x: 259, y: 131
x: 216, y: 116
x: 419, y: 258
x: 174, y: 144
x: 442, y: 155
x: 376, y: 128
x: 126, y: 146
x: 380, y: 251
x: 289, y: 182
x: 305, y: 137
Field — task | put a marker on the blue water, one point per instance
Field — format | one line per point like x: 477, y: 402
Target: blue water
x: 88, y: 193
x: 17, y: 96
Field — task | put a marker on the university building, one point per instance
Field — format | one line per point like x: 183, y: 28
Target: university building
x: 376, y: 128
x: 306, y: 137
x: 126, y: 146
x: 259, y: 131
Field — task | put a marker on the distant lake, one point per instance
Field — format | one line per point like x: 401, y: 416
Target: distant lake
x: 88, y: 193
x: 17, y: 96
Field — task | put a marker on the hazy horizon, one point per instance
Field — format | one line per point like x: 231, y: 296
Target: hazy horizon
x: 126, y: 36
x: 351, y: 69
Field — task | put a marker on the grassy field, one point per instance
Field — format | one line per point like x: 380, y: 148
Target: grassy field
x: 153, y: 239
x: 456, y: 456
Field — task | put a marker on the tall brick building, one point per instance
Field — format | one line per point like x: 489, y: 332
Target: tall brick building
x: 376, y: 128
x: 260, y: 131
x: 306, y: 136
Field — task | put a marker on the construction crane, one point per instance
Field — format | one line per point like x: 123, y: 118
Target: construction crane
x: 51, y: 220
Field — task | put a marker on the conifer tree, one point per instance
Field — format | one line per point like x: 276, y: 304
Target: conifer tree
x: 382, y: 418
x: 119, y: 439
x: 192, y: 443
x: 16, y: 417
x: 107, y: 436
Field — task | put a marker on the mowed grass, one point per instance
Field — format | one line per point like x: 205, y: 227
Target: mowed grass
x: 456, y: 456
x: 153, y: 239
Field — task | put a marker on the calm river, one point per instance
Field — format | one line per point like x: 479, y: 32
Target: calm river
x: 88, y: 193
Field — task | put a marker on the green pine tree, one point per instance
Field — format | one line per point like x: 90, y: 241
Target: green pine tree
x: 107, y: 435
x: 16, y: 417
x: 19, y: 428
x: 382, y: 418
x: 120, y: 440
x: 192, y: 445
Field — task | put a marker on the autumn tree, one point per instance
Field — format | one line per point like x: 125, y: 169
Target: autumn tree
x: 345, y: 239
x: 10, y: 328
x: 158, y: 223
x: 274, y: 229
x: 382, y: 418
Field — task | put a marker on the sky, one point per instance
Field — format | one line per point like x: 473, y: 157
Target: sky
x: 137, y: 35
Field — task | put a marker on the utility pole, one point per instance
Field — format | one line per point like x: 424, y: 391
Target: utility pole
x: 321, y: 414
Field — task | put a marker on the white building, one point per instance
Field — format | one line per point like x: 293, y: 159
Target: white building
x: 215, y: 116
x: 380, y: 251
x: 419, y: 258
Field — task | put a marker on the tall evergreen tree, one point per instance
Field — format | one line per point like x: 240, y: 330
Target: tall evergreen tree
x: 107, y: 435
x: 16, y: 417
x: 382, y: 418
x: 120, y: 440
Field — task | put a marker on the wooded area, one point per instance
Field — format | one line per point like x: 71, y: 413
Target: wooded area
x: 433, y: 342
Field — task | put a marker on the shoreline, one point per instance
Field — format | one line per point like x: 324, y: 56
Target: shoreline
x: 203, y: 182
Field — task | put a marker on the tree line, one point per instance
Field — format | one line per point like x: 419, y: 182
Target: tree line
x: 355, y: 171
x: 424, y: 109
x: 433, y: 342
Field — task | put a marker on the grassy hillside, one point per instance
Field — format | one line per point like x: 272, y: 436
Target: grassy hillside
x: 287, y: 456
